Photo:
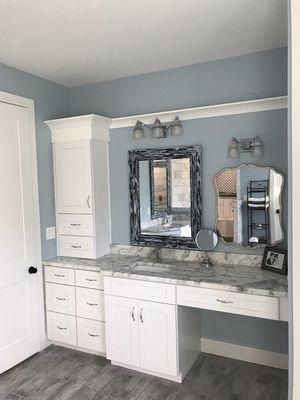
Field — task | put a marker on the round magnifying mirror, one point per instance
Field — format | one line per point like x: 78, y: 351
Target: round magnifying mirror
x: 206, y: 239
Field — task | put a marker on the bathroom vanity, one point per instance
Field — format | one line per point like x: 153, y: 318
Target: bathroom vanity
x: 141, y: 312
x: 152, y: 312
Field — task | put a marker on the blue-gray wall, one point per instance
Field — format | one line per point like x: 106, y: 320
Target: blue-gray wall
x: 214, y: 135
x: 260, y: 74
x: 241, y: 78
x: 51, y: 101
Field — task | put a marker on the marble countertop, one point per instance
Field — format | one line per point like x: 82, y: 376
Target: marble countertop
x: 235, y: 278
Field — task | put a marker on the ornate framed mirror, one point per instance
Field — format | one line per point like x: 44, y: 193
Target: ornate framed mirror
x: 165, y: 196
x: 249, y: 205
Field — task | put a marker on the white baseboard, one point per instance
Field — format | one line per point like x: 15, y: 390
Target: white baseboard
x: 243, y: 353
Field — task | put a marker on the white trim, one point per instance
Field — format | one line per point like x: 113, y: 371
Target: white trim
x: 294, y: 196
x: 217, y: 110
x: 79, y: 121
x: 243, y: 353
x: 177, y: 379
x: 29, y: 104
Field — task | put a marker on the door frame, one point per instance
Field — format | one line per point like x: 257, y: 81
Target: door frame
x: 24, y: 102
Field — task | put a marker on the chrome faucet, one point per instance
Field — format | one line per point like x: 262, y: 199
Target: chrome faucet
x: 156, y: 255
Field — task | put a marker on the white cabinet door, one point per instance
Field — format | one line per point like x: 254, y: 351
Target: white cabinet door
x: 157, y: 332
x: 73, y: 177
x: 122, y: 330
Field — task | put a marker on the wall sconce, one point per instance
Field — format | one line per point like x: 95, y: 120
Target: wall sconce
x: 158, y: 130
x: 253, y: 146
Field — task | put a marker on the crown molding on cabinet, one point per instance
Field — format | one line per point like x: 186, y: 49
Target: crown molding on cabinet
x: 79, y: 128
x: 217, y: 110
x: 81, y: 120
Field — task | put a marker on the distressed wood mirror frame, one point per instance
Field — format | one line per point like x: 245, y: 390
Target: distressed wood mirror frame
x: 134, y: 157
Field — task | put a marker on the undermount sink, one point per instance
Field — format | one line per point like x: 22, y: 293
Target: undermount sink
x: 145, y: 266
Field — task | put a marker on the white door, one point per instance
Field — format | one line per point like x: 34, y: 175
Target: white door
x: 73, y: 177
x: 157, y: 331
x: 121, y: 321
x: 19, y: 312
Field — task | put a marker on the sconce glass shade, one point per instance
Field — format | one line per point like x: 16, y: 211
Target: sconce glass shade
x: 233, y: 148
x: 176, y: 127
x: 138, y: 131
x: 158, y: 129
x: 257, y: 147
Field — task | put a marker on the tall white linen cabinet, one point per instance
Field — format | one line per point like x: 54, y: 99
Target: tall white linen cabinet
x: 81, y: 180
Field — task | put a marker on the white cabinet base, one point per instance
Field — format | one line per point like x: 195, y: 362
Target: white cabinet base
x: 78, y: 348
x: 177, y: 379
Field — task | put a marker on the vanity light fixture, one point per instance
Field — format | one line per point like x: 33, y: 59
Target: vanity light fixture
x: 238, y: 146
x: 138, y: 131
x: 158, y: 130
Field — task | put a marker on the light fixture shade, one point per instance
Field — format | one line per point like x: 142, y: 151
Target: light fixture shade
x: 158, y: 129
x: 176, y: 129
x: 233, y: 148
x: 138, y: 131
x: 257, y: 147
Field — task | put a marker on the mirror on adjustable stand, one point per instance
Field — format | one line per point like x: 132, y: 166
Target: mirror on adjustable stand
x: 206, y: 240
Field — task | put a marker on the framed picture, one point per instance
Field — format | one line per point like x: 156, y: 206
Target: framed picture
x: 275, y: 260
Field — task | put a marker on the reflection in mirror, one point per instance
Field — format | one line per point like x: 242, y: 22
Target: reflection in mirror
x: 165, y: 205
x: 165, y: 196
x: 249, y: 205
x: 160, y: 188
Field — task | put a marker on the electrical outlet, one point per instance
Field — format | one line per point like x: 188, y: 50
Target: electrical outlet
x: 50, y: 233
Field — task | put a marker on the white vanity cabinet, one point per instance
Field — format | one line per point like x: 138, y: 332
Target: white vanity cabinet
x: 140, y: 333
x: 75, y: 308
x: 81, y: 178
x: 73, y: 177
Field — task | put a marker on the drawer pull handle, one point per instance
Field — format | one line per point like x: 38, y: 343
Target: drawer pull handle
x: 76, y: 247
x: 91, y: 280
x: 133, y: 314
x: 60, y: 275
x: 225, y: 302
x: 92, y: 334
x: 61, y: 298
x: 73, y: 224
x: 141, y: 316
x: 88, y: 201
x: 61, y: 328
x: 91, y: 304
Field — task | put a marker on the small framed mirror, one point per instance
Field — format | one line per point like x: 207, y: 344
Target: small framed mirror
x: 249, y: 205
x: 165, y: 196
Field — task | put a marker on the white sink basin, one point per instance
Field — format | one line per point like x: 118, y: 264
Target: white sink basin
x: 142, y: 266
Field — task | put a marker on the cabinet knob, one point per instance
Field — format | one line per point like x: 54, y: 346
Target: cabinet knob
x: 32, y: 270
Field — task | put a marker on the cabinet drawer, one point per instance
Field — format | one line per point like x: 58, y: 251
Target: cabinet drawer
x: 76, y: 224
x: 89, y: 279
x: 61, y: 328
x: 90, y: 303
x: 59, y: 275
x: 76, y: 246
x: 231, y: 302
x: 60, y: 298
x: 159, y: 292
x: 91, y: 334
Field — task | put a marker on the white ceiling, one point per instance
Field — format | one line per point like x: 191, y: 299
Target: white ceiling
x: 77, y: 42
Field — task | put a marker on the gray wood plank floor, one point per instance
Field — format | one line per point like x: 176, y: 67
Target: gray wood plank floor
x: 62, y: 374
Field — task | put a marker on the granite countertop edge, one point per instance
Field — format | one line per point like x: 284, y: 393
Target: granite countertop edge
x: 114, y: 265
